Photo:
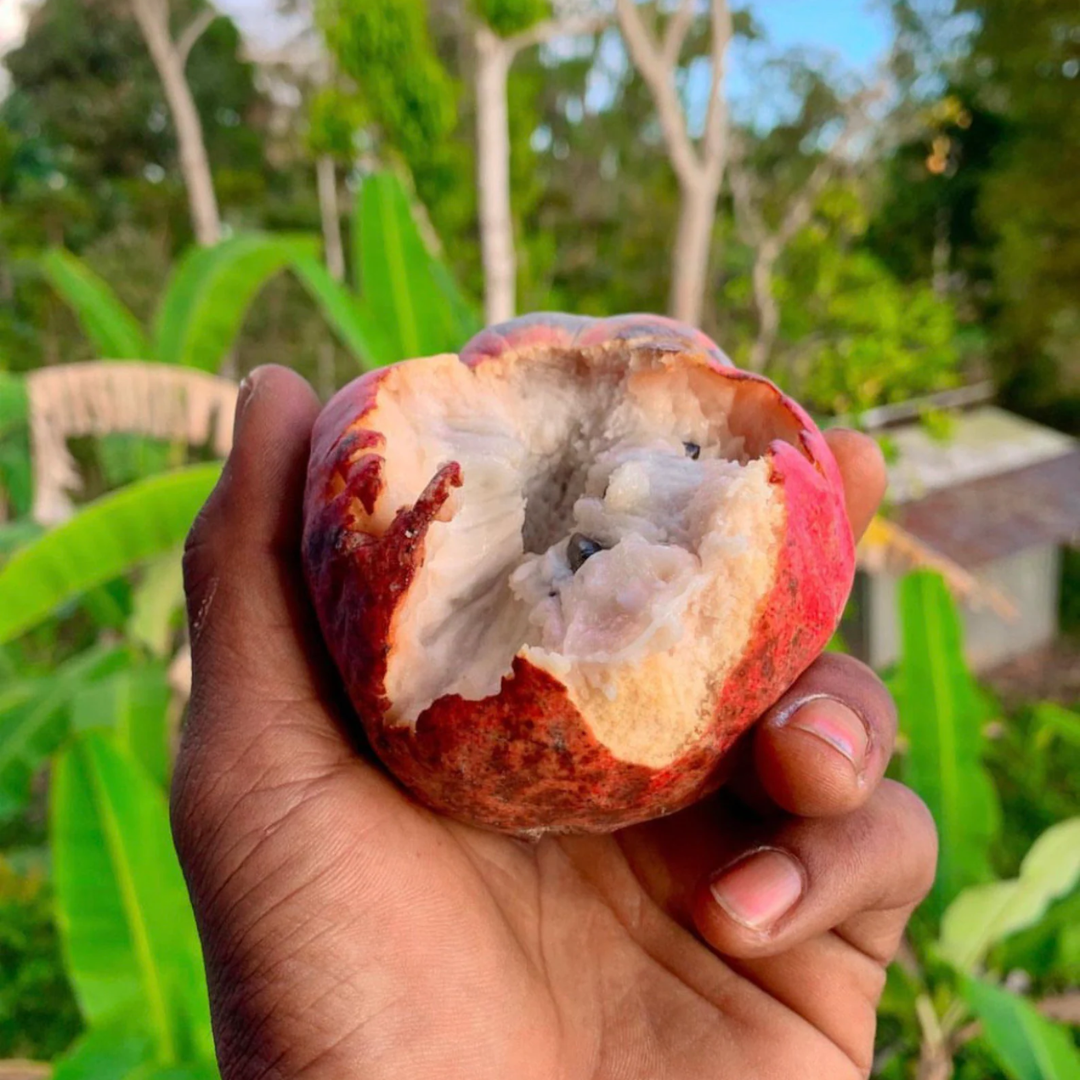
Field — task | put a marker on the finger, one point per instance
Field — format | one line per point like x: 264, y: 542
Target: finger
x: 860, y: 875
x: 823, y: 748
x: 257, y: 719
x: 242, y: 573
x: 862, y: 466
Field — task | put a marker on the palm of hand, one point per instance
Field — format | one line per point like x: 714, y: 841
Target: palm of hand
x: 375, y: 931
x: 350, y: 933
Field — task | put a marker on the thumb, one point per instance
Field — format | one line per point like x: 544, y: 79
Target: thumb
x: 262, y: 694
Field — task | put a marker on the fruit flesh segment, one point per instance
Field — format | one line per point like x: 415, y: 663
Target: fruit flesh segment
x: 635, y: 452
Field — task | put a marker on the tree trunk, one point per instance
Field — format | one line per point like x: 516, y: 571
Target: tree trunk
x: 326, y: 177
x: 334, y: 252
x: 153, y: 20
x: 493, y: 176
x: 693, y: 247
x: 942, y: 257
x: 767, y: 308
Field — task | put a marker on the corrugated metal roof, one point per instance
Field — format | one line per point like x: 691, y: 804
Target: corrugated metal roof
x: 995, y: 516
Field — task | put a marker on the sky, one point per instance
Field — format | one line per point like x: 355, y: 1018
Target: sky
x: 856, y: 30
x: 853, y: 35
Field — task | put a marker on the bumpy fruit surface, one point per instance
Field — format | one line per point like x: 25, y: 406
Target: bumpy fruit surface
x: 562, y: 573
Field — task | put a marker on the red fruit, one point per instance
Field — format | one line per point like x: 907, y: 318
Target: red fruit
x: 561, y: 574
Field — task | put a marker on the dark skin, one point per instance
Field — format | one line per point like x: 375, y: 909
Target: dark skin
x: 351, y: 934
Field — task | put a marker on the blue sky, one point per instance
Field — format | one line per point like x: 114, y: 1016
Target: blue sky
x: 857, y: 30
x: 853, y: 35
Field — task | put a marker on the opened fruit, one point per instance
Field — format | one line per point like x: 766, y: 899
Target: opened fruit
x: 562, y: 573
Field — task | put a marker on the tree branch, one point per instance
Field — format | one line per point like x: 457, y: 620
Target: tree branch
x: 550, y: 29
x: 857, y: 119
x: 677, y: 29
x: 716, y: 118
x: 659, y: 75
x: 769, y: 244
x: 748, y: 220
x: 192, y: 32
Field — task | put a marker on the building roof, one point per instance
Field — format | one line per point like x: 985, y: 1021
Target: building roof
x: 985, y: 441
x: 990, y: 517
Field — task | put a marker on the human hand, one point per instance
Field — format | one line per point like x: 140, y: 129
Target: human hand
x: 350, y: 933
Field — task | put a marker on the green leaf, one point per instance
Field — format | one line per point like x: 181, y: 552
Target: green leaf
x: 1054, y: 722
x: 122, y: 909
x: 133, y: 705
x: 155, y: 601
x: 466, y: 319
x: 1026, y: 1044
x: 17, y: 534
x: 34, y: 719
x: 14, y: 404
x: 104, y: 540
x: 941, y: 715
x: 112, y: 1049
x: 16, y: 472
x: 107, y: 604
x: 125, y: 457
x: 983, y: 915
x: 201, y: 1070
x: 356, y: 330
x: 400, y: 283
x: 105, y: 320
x: 209, y: 294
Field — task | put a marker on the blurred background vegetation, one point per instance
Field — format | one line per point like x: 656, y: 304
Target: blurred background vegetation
x: 374, y: 179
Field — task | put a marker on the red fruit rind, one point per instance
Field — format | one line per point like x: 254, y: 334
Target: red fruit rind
x: 526, y: 759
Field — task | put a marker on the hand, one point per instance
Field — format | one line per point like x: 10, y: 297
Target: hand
x: 350, y: 933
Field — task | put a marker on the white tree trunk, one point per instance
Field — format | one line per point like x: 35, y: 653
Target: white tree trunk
x: 153, y: 19
x: 690, y: 256
x: 493, y: 58
x: 768, y: 310
x: 699, y: 166
x: 942, y: 257
x: 334, y: 253
x: 330, y: 214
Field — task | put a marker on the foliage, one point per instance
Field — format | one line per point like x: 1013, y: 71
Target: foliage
x: 129, y: 937
x: 35, y: 716
x: 508, y: 17
x: 1024, y: 62
x: 1028, y: 1046
x: 38, y: 1015
x: 14, y: 448
x: 385, y: 45
x: 102, y: 541
x: 334, y: 119
x: 983, y: 915
x: 976, y: 924
x: 88, y: 162
x: 852, y: 335
x: 115, y: 332
x: 407, y: 304
x: 943, y: 712
x: 860, y: 338
x: 81, y: 40
x: 201, y: 311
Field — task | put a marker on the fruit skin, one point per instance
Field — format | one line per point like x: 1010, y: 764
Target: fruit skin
x: 525, y: 760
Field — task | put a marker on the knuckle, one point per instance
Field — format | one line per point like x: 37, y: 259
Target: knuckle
x: 917, y: 838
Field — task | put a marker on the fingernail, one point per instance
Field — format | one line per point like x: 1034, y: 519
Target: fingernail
x: 244, y: 393
x: 759, y: 890
x: 834, y: 723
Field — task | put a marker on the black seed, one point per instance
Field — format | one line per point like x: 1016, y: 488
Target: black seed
x: 693, y: 450
x: 579, y: 549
